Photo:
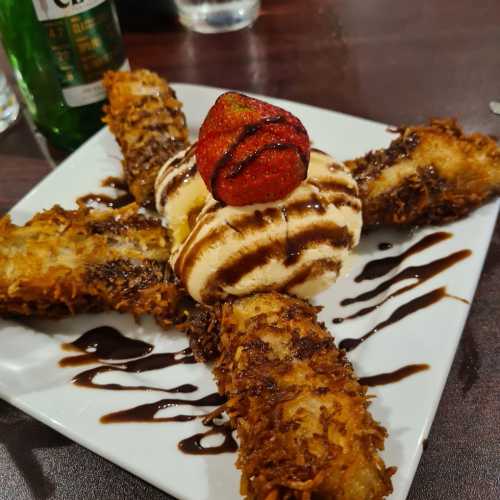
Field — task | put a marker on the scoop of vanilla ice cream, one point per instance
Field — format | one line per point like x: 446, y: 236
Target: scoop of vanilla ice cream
x: 296, y: 245
x: 180, y: 193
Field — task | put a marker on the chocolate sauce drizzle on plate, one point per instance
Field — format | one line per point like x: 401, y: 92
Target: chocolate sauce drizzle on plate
x: 412, y: 306
x: 115, y: 182
x: 146, y: 413
x: 421, y: 273
x: 394, y: 376
x: 384, y: 246
x: 193, y: 445
x: 104, y: 199
x: 104, y: 342
x: 105, y: 345
x: 380, y: 267
x: 149, y: 363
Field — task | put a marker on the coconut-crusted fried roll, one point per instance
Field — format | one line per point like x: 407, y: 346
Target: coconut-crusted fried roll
x: 430, y: 174
x: 300, y: 414
x: 146, y: 119
x: 65, y: 262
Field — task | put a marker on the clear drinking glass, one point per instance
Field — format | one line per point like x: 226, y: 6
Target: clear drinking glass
x: 9, y: 106
x: 216, y: 16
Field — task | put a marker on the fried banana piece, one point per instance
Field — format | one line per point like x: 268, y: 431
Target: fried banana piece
x: 300, y: 414
x: 201, y: 323
x: 146, y: 119
x: 65, y: 262
x: 430, y: 174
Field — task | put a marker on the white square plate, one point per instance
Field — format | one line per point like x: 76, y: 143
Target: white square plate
x: 31, y: 379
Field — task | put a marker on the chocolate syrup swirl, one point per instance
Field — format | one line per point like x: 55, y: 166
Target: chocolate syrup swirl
x: 177, y: 181
x: 105, y: 343
x: 147, y: 412
x: 311, y: 203
x: 338, y: 236
x: 414, y: 305
x: 421, y: 273
x: 109, y: 201
x: 248, y: 131
x: 380, y: 267
x: 115, y: 182
x: 384, y: 246
x: 394, y: 376
x: 103, y: 199
x: 194, y: 445
x: 181, y: 158
x: 334, y: 186
x: 148, y: 363
x: 294, y: 246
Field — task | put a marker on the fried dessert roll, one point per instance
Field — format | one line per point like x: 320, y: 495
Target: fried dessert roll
x: 201, y: 324
x: 430, y: 174
x: 146, y: 119
x: 300, y: 414
x: 68, y: 261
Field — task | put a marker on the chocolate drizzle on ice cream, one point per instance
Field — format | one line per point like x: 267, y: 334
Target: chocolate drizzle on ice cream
x: 295, y: 245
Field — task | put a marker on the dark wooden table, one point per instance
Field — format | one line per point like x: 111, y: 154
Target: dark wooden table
x: 392, y: 61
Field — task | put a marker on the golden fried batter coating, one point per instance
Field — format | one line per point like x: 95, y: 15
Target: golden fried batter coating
x: 300, y: 414
x: 146, y: 119
x: 64, y: 262
x: 430, y: 174
x: 201, y: 324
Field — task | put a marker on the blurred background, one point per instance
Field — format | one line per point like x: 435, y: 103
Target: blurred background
x: 395, y: 63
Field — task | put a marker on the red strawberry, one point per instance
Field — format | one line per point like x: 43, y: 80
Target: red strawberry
x: 250, y: 151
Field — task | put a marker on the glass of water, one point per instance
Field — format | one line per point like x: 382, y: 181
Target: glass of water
x: 217, y: 16
x: 9, y: 106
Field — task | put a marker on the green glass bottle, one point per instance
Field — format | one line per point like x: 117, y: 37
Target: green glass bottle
x: 59, y: 50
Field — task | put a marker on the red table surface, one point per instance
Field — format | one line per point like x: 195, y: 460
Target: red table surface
x: 392, y: 61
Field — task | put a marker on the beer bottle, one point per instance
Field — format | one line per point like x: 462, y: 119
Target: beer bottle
x: 59, y: 50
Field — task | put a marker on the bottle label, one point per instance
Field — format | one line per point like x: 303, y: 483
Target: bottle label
x: 85, y: 39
